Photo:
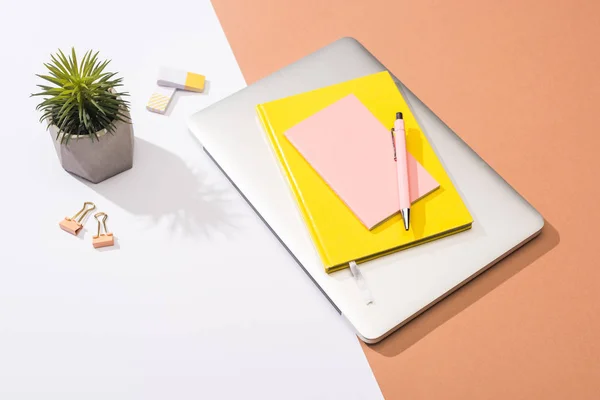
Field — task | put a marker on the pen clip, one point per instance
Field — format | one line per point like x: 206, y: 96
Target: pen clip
x: 394, y: 143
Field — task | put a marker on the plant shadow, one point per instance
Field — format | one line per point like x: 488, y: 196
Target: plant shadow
x: 162, y: 189
x: 425, y: 323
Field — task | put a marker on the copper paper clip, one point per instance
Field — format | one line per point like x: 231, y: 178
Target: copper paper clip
x: 102, y: 239
x: 73, y: 225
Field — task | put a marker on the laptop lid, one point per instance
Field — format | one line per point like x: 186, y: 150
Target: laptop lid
x: 405, y: 283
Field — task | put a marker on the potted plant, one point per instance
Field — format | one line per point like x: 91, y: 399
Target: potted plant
x: 88, y: 118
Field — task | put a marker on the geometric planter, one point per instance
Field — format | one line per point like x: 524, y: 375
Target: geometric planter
x: 101, y: 159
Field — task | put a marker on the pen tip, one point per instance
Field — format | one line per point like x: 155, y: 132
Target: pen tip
x: 406, y: 218
x: 398, y: 115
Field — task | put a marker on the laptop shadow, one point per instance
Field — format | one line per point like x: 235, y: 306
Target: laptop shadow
x: 465, y: 296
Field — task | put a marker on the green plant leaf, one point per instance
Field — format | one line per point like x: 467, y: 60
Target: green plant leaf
x: 97, y: 106
x: 51, y: 79
x: 64, y: 62
x: 74, y: 62
x: 56, y: 72
x: 84, y: 63
x: 83, y: 98
x: 58, y: 65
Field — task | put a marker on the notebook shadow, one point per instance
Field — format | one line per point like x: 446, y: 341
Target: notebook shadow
x: 448, y: 307
x: 162, y: 189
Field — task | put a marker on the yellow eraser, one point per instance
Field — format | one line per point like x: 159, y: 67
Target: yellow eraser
x: 180, y: 79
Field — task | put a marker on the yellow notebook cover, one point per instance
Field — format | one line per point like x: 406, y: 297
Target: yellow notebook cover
x: 338, y: 235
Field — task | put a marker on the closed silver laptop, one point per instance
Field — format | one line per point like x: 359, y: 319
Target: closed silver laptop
x: 402, y: 284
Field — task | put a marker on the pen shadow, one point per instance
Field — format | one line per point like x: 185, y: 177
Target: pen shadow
x: 162, y: 189
x: 453, y: 304
x: 414, y: 136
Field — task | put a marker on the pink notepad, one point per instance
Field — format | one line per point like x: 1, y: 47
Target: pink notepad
x: 353, y: 152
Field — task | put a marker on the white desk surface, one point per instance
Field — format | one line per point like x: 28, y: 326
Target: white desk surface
x: 197, y: 300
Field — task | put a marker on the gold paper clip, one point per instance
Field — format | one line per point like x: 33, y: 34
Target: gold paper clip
x: 73, y: 225
x: 105, y: 239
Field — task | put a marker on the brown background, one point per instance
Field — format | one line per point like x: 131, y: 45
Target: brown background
x: 519, y: 81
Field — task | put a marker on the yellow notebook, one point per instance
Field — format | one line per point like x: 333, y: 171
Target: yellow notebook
x: 338, y: 235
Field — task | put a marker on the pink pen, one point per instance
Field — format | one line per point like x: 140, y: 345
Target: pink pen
x: 401, y: 168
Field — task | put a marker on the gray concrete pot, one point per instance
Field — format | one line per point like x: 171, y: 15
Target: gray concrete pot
x: 100, y: 159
